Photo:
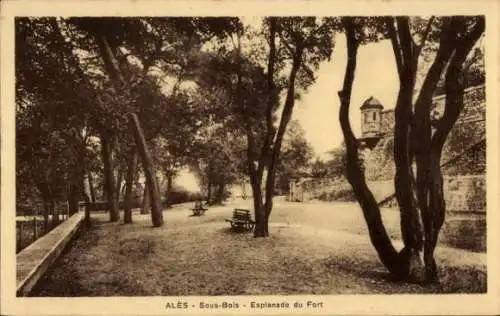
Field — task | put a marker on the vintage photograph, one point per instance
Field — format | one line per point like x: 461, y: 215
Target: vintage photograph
x: 247, y: 155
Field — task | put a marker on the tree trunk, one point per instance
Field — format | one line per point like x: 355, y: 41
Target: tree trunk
x: 168, y: 192
x: 76, y: 188
x: 118, y: 190
x: 73, y: 199
x: 145, y: 199
x: 270, y: 152
x: 371, y: 212
x: 421, y: 138
x: 220, y: 193
x: 411, y: 228
x: 129, y: 184
x: 55, y: 215
x: 209, y: 190
x: 46, y: 212
x: 109, y: 183
x: 454, y: 103
x: 261, y: 224
x: 91, y: 187
x: 44, y: 190
x: 157, y: 211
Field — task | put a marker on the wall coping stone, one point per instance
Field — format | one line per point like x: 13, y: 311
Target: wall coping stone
x: 33, y: 261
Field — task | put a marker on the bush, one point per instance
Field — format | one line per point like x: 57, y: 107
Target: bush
x: 181, y: 195
x: 341, y: 192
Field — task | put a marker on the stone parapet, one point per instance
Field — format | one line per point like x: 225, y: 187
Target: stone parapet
x: 33, y: 261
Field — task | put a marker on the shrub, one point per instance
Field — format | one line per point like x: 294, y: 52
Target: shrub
x: 341, y: 192
x: 180, y: 195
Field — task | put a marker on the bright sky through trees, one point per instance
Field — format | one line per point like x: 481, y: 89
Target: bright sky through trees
x: 317, y: 111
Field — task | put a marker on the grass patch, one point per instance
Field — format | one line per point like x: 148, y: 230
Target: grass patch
x: 305, y: 254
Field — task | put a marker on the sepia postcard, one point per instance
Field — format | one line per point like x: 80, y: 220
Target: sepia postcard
x: 249, y: 157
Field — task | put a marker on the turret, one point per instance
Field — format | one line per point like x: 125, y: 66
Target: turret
x: 371, y: 111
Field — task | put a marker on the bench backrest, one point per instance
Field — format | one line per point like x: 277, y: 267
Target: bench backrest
x: 241, y: 214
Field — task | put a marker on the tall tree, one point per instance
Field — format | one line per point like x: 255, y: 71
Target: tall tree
x: 303, y: 44
x: 420, y: 197
x: 292, y: 48
x: 51, y: 89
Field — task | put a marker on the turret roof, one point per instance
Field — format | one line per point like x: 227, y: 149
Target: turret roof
x: 371, y: 103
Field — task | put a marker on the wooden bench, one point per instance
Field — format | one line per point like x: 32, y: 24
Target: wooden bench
x: 198, y: 209
x: 241, y: 220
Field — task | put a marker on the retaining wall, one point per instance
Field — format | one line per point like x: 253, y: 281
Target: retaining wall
x: 33, y: 261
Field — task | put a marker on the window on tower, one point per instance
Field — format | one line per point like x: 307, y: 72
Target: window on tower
x: 374, y: 116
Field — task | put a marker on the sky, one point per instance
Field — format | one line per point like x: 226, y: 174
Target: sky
x: 375, y: 76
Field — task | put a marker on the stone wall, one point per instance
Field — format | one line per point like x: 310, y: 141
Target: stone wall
x: 387, y: 122
x: 462, y: 194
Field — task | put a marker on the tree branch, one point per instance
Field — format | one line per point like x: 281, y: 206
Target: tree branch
x: 454, y: 86
x: 426, y: 33
x: 395, y: 45
x: 378, y: 235
x: 287, y: 44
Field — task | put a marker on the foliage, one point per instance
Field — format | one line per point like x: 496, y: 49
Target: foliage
x: 52, y: 102
x: 336, y: 164
x: 179, y: 195
x: 295, y: 157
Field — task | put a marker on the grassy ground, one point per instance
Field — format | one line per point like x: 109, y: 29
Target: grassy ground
x: 313, y: 249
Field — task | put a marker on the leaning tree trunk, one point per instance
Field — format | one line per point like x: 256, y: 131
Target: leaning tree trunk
x: 109, y: 182
x: 355, y: 175
x: 147, y: 162
x: 129, y: 183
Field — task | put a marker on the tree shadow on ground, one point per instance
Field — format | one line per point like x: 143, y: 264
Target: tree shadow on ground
x: 452, y: 279
x: 232, y: 231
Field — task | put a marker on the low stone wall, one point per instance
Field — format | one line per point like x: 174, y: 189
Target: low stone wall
x: 33, y: 261
x: 465, y: 232
x: 462, y: 193
x: 465, y: 193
